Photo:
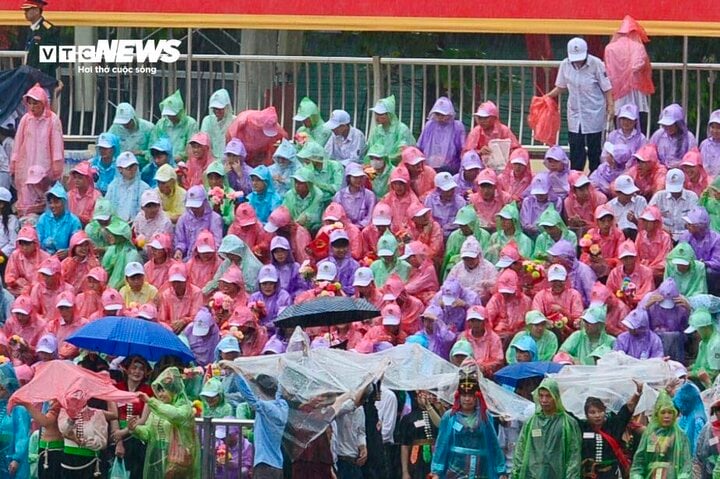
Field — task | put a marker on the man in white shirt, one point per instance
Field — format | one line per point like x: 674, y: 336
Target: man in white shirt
x: 627, y: 205
x: 347, y: 143
x: 674, y: 202
x: 350, y: 446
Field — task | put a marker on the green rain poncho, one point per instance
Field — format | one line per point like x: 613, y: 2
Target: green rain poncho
x: 462, y: 347
x: 693, y: 281
x: 157, y: 432
x: 381, y: 182
x: 214, y: 388
x: 499, y: 239
x: 180, y: 133
x: 249, y: 264
x: 227, y: 206
x: 119, y: 254
x: 548, y: 446
x: 580, y: 346
x: 662, y: 449
x: 547, y: 345
x: 317, y: 131
x: 216, y: 129
x: 137, y: 140
x: 465, y: 216
x: 393, y: 136
x: 329, y: 177
x: 94, y: 230
x: 550, y: 217
x: 381, y: 270
x: 305, y: 211
x: 711, y: 204
x: 708, y: 355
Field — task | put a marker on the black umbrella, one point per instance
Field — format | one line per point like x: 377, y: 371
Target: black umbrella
x: 326, y: 311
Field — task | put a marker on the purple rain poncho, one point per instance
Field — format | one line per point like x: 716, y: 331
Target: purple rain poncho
x: 669, y: 323
x: 189, y: 226
x: 442, y: 143
x: 203, y: 346
x: 643, y: 345
x: 454, y: 317
x: 582, y: 277
x: 444, y: 213
x: 707, y: 244
x: 358, y: 206
x: 672, y: 149
x: 605, y: 175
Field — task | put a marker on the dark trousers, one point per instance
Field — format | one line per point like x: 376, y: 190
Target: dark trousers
x: 347, y: 469
x: 263, y: 471
x: 53, y: 470
x: 578, y: 156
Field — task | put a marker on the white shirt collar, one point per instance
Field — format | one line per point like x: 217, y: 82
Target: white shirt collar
x: 36, y: 26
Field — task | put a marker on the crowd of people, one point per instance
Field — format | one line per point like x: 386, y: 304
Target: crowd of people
x: 213, y: 228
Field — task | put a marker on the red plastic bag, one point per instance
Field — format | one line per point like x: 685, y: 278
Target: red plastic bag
x: 544, y: 119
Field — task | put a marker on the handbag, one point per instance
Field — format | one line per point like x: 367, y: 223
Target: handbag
x: 180, y: 458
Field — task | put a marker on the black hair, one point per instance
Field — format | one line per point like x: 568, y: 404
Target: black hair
x: 594, y: 402
x: 6, y: 212
x: 268, y: 385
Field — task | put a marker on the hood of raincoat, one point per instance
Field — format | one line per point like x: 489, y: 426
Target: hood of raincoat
x: 557, y: 153
x: 103, y: 207
x: 335, y: 210
x: 638, y: 319
x: 171, y: 381
x: 564, y: 249
x: 309, y: 109
x: 630, y: 26
x: 77, y: 238
x: 621, y: 154
x: 163, y: 144
x: 462, y: 347
x: 175, y: 102
x: 305, y: 175
x: 527, y: 343
x: 508, y: 279
x: 124, y: 110
x: 466, y: 216
x: 38, y: 92
x: 648, y: 153
x: 682, y: 251
x: 551, y: 217
x: 688, y: 402
x: 389, y: 104
x: 119, y: 228
x: 214, y: 387
x: 388, y: 241
x: 288, y: 151
x: 263, y: 172
x: 29, y: 232
x: 664, y: 401
x: 698, y: 216
x: 205, y: 238
x: 250, y: 264
x: 551, y: 386
x: 58, y: 191
x: 8, y: 379
x: 113, y: 139
x: 233, y: 245
x: 217, y: 168
x: 223, y: 97
x: 668, y: 289
x: 443, y: 106
x: 377, y: 150
x: 511, y: 210
x: 312, y: 149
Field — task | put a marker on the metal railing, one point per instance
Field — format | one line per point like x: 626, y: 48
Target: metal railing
x: 87, y: 103
x: 206, y: 428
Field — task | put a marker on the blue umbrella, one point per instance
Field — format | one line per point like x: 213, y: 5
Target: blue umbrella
x: 122, y: 336
x: 514, y: 373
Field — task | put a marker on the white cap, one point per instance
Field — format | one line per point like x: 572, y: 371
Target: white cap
x: 625, y: 184
x: 155, y: 244
x: 674, y: 180
x: 389, y: 297
x: 385, y: 252
x: 113, y: 307
x: 337, y: 118
x: 177, y: 276
x: 64, y: 302
x: 445, y: 181
x: 326, y: 271
x: 504, y: 262
x: 126, y: 159
x: 338, y: 235
x: 268, y: 274
x: 47, y: 344
x: 647, y: 216
x: 680, y: 261
x: 581, y: 181
x: 201, y: 325
x: 104, y: 142
x: 123, y: 115
x: 421, y: 212
x: 473, y: 313
x: 557, y: 272
x: 390, y: 320
x: 134, y: 269
x: 150, y: 196
x: 194, y: 199
x: 381, y: 220
x: 230, y: 347
x: 414, y: 160
x: 20, y: 310
x: 216, y: 102
x: 205, y: 248
x: 270, y: 227
x: 379, y: 108
x: 5, y: 195
x: 168, y: 111
x: 538, y: 188
x: 667, y: 303
x: 577, y: 49
x: 363, y: 277
x: 609, y: 147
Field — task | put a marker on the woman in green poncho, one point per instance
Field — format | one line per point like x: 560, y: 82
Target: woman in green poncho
x: 664, y: 450
x: 467, y: 219
x: 134, y: 132
x: 215, y: 176
x: 213, y: 400
x: 215, y: 124
x: 103, y: 216
x: 305, y: 200
x: 508, y: 228
x: 581, y: 344
x: 234, y: 251
x: 121, y: 252
x: 171, y: 418
x: 706, y: 366
x: 388, y: 262
x: 389, y: 132
x: 327, y: 174
x: 536, y: 328
x: 176, y: 125
x: 380, y: 163
x: 710, y: 199
x: 312, y: 123
x: 554, y: 229
x: 688, y: 272
x: 549, y: 442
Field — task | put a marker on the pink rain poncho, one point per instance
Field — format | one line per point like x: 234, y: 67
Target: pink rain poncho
x: 248, y: 228
x: 196, y: 166
x: 568, y: 304
x: 696, y: 178
x: 89, y: 301
x: 649, y: 179
x: 254, y: 335
x: 430, y: 234
x: 82, y: 204
x: 200, y: 271
x: 111, y: 302
x: 38, y: 142
x: 479, y: 137
x: 507, y: 307
x: 281, y: 224
x: 515, y: 184
x: 260, y: 132
x: 627, y: 62
x: 423, y: 281
x: 21, y: 271
x: 422, y: 177
x: 47, y: 287
x: 488, y: 207
x: 487, y: 348
x: 609, y: 241
x: 616, y: 309
x: 582, y: 211
x: 75, y: 268
x: 400, y: 206
x: 381, y: 219
x: 33, y: 329
x: 62, y: 329
x: 653, y: 247
x: 234, y: 275
x: 335, y: 213
x: 173, y: 308
x: 641, y: 275
x: 157, y: 273
x: 410, y: 307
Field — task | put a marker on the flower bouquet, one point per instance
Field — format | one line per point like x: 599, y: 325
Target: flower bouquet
x: 307, y: 270
x: 326, y: 288
x: 627, y: 291
x: 534, y: 269
x: 301, y: 138
x: 216, y: 195
x: 258, y: 308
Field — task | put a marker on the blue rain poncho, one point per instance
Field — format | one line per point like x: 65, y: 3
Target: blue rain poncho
x: 105, y: 173
x: 282, y: 175
x: 54, y: 232
x: 148, y: 172
x: 264, y: 203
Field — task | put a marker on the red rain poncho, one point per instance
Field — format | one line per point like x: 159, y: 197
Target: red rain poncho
x: 89, y: 302
x: 424, y: 182
x: 335, y: 213
x: 254, y: 335
x: 431, y: 235
x: 157, y: 274
x: 400, y: 207
x: 692, y: 162
x: 410, y: 307
x: 44, y: 298
x: 74, y: 269
x: 247, y: 227
x: 569, y: 302
x: 21, y: 271
x: 171, y: 308
x: 616, y: 309
x: 299, y: 238
x: 30, y: 332
x: 479, y: 138
x: 196, y: 166
x: 82, y: 205
x: 652, y: 181
x: 201, y: 272
x: 515, y: 186
x: 585, y: 211
x: 487, y: 210
x: 544, y: 119
x: 653, y: 249
x: 254, y: 128
x: 626, y: 61
x: 507, y: 314
x: 642, y: 276
x: 423, y: 281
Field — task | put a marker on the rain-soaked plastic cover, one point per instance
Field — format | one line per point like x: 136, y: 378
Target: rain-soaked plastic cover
x: 317, y: 382
x: 611, y: 381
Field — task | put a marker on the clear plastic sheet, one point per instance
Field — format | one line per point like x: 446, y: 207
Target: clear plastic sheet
x: 611, y: 381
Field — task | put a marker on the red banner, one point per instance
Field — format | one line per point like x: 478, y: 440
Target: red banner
x: 669, y: 17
